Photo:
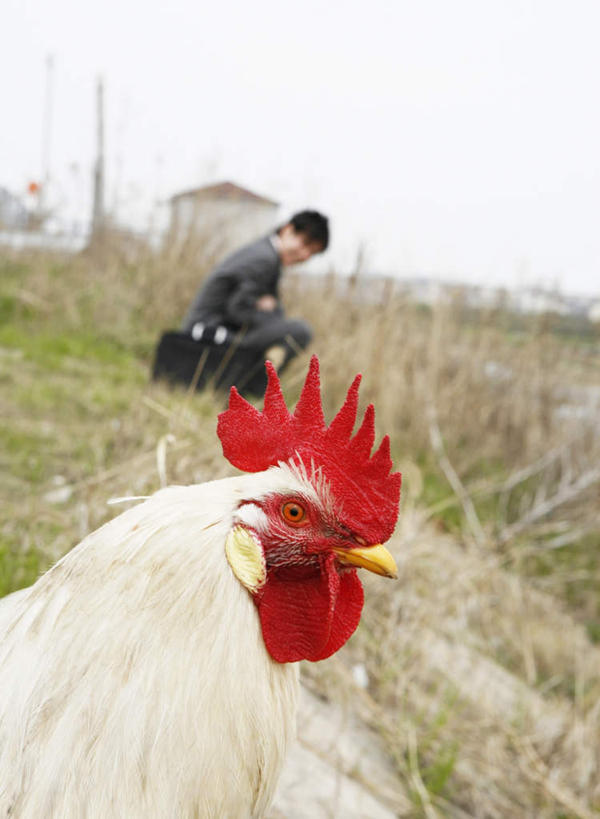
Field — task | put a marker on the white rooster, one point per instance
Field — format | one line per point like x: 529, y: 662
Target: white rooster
x: 153, y: 672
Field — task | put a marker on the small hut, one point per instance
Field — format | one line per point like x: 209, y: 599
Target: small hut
x: 225, y: 213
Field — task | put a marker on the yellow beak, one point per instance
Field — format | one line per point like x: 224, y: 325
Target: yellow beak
x: 374, y: 558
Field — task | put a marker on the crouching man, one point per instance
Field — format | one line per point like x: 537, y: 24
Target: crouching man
x: 242, y: 293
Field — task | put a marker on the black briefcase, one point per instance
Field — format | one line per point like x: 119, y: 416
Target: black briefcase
x: 180, y: 359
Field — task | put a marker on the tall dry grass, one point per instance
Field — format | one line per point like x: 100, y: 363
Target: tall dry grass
x: 482, y: 677
x: 495, y: 429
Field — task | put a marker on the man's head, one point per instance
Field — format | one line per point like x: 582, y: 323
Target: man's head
x: 304, y: 235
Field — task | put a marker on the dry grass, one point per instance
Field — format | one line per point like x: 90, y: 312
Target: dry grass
x: 485, y: 689
x: 483, y: 678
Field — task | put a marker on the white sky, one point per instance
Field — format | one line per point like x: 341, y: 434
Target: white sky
x: 456, y: 139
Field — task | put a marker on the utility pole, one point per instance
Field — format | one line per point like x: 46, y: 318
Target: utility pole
x: 42, y: 200
x: 98, y: 216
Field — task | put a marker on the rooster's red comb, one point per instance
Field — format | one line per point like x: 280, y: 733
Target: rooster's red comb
x: 365, y: 490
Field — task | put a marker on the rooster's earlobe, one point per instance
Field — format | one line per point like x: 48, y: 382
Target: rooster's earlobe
x: 246, y: 558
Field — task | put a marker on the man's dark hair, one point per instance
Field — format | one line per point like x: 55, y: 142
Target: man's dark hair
x: 313, y: 225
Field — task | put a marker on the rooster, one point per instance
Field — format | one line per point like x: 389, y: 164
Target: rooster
x: 153, y: 671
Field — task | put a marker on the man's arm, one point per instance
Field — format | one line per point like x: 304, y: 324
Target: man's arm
x: 253, y: 299
x: 253, y: 302
x: 234, y: 292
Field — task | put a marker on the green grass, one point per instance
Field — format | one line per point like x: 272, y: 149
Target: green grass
x: 50, y: 349
x: 23, y: 454
x: 68, y: 380
x: 24, y: 555
x: 439, y: 755
x: 577, y: 562
x: 436, y: 774
x: 64, y: 390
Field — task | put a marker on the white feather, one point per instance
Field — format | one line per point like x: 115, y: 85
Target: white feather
x: 134, y: 681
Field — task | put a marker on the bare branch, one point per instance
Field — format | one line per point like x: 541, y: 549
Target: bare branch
x: 455, y: 482
x: 548, y: 505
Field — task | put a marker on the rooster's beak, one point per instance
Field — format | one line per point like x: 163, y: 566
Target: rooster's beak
x: 374, y: 558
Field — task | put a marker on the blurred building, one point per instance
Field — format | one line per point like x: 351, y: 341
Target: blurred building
x: 224, y: 212
x: 13, y: 213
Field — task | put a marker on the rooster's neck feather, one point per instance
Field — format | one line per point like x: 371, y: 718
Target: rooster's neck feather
x: 123, y: 641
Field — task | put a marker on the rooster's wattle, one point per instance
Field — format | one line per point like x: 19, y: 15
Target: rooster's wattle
x: 152, y: 671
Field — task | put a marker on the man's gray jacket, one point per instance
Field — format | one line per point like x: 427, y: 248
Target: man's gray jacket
x: 230, y: 293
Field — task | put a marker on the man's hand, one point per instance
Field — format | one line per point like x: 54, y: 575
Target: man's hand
x: 267, y: 303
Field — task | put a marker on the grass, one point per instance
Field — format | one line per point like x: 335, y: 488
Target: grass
x: 484, y: 676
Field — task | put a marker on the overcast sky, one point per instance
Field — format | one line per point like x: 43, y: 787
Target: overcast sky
x: 454, y: 139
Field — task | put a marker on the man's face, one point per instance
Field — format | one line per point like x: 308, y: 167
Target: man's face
x: 296, y: 247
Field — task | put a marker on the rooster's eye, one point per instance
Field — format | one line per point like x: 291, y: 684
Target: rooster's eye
x: 294, y: 513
